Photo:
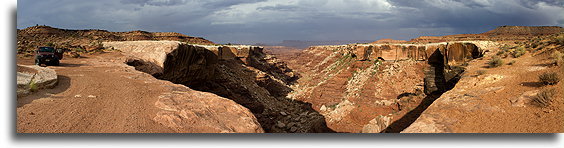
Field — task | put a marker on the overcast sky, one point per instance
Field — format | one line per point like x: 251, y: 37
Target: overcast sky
x: 270, y: 21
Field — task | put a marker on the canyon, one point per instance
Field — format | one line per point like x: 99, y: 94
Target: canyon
x: 189, y: 84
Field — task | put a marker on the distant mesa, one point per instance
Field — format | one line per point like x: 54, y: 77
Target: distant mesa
x: 389, y: 41
x: 525, y: 30
x: 517, y: 33
x: 32, y: 37
x: 302, y: 44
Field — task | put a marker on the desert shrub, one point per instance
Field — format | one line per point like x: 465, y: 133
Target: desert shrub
x: 79, y: 50
x: 495, y: 62
x: 50, y: 44
x: 559, y: 40
x: 544, y: 97
x: 511, y: 63
x: 556, y: 58
x: 481, y: 72
x: 518, y: 52
x: 549, y: 78
x: 33, y: 86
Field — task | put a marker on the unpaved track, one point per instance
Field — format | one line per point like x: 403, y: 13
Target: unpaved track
x: 97, y: 94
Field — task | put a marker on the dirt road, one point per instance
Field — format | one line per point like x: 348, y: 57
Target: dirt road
x: 88, y: 99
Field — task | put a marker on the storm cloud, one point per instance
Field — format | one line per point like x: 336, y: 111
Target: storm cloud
x: 270, y: 21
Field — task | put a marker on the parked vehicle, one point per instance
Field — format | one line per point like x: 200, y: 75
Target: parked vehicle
x: 48, y: 56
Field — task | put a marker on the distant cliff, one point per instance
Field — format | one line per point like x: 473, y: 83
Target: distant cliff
x: 501, y: 33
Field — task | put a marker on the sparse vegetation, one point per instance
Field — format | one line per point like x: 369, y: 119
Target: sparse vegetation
x: 557, y: 57
x: 33, y: 86
x: 332, y: 106
x: 511, y: 63
x: 79, y: 50
x: 495, y: 62
x: 544, y: 97
x: 518, y: 52
x: 480, y: 72
x: 549, y: 78
x: 50, y: 44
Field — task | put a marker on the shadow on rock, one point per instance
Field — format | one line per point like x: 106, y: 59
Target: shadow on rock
x: 63, y: 84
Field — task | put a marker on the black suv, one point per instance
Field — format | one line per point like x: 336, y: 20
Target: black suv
x: 48, y: 56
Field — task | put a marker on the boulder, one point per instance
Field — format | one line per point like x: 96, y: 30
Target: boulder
x: 377, y: 125
x: 202, y: 112
x: 42, y: 79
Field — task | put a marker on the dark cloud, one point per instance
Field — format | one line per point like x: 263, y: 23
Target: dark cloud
x: 154, y: 2
x: 227, y: 3
x: 279, y: 8
x: 251, y: 21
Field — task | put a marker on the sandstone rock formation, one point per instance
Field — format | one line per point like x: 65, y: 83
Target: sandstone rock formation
x: 377, y: 125
x: 169, y: 60
x: 184, y: 112
x: 241, y: 73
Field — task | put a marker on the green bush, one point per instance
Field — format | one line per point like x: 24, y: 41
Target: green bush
x: 495, y: 62
x: 549, y: 78
x: 50, y: 44
x: 544, y: 98
x: 79, y: 50
x: 511, y: 63
x: 33, y: 86
x: 518, y: 52
x: 481, y: 72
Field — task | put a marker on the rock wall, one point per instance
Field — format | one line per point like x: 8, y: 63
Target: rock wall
x: 454, y: 52
x: 169, y: 60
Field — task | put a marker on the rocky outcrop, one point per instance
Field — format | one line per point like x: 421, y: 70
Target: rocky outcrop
x: 454, y: 52
x: 377, y: 125
x: 41, y: 78
x: 169, y: 60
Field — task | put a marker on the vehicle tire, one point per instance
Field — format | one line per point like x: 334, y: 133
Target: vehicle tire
x: 56, y: 62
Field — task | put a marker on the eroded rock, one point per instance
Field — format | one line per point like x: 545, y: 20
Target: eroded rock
x: 201, y: 112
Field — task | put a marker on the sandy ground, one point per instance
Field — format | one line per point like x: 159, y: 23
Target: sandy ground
x: 93, y: 95
x: 518, y: 78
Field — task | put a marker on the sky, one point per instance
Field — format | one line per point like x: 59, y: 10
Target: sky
x: 271, y: 21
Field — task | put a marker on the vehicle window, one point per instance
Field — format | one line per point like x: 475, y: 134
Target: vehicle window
x: 46, y: 49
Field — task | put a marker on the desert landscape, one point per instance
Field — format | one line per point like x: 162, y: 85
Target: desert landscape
x: 506, y: 80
